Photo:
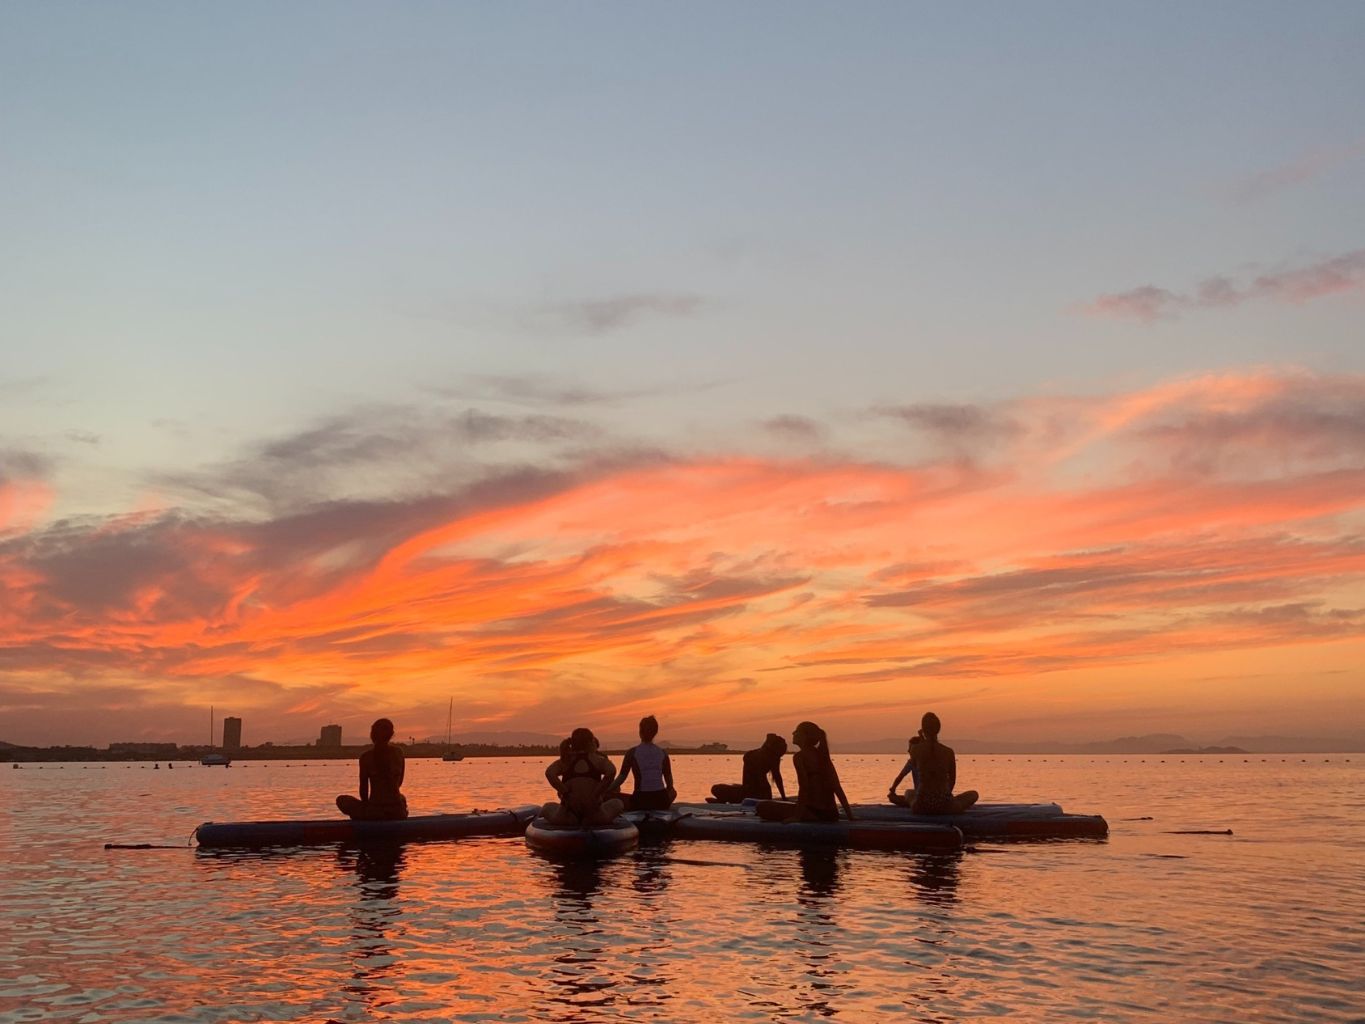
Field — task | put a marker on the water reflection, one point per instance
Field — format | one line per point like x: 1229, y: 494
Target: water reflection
x: 582, y: 974
x: 817, y: 931
x: 934, y: 878
x: 374, y: 918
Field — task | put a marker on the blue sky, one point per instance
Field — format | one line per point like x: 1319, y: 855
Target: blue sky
x: 262, y: 211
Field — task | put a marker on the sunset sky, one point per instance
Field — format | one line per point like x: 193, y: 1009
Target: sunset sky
x: 734, y: 363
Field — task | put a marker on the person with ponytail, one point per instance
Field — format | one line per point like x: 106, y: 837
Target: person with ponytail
x: 817, y: 782
x: 936, y: 766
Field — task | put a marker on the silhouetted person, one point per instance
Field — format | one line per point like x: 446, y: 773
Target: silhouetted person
x: 381, y: 780
x: 759, y: 763
x: 817, y: 782
x: 909, y: 769
x: 653, y: 772
x: 582, y: 777
x: 937, y: 767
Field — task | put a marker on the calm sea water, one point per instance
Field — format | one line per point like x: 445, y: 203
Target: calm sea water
x: 1265, y: 925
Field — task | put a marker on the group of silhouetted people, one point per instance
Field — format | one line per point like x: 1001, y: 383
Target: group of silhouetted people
x: 588, y: 785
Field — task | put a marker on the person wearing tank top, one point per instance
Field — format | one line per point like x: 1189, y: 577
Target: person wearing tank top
x: 653, y: 771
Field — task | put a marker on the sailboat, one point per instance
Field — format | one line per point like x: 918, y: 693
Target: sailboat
x: 214, y: 759
x: 450, y: 755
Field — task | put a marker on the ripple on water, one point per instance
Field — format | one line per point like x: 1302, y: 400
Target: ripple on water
x: 486, y: 930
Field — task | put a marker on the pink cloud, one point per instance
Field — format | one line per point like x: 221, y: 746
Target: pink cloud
x: 1148, y: 303
x: 1295, y: 172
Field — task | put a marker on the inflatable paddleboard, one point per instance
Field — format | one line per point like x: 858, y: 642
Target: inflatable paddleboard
x: 503, y: 822
x: 653, y: 824
x: 742, y: 827
x: 983, y: 821
x: 576, y: 841
x: 1000, y: 821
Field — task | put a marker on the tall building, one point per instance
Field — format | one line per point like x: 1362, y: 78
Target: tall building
x: 232, y: 734
x: 331, y: 736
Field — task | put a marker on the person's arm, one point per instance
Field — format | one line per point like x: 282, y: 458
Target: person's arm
x: 777, y: 778
x: 400, y: 767
x: 952, y: 772
x: 552, y: 774
x: 839, y: 792
x: 668, y: 773
x: 608, y: 776
x: 627, y: 763
x: 909, y: 761
x: 802, y: 787
x: 364, y: 780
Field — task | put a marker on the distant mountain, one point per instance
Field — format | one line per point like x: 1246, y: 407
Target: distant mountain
x: 1153, y: 743
x: 505, y: 739
x: 887, y: 746
x: 1206, y: 750
x: 8, y: 746
x: 1296, y: 744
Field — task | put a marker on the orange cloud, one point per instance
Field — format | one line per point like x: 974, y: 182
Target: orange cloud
x: 1214, y: 514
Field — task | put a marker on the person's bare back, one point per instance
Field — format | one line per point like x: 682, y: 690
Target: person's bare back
x: 936, y: 765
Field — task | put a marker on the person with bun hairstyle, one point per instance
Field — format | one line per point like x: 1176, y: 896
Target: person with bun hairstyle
x: 936, y: 767
x: 381, y: 780
x: 817, y: 782
x: 759, y: 763
x: 582, y: 777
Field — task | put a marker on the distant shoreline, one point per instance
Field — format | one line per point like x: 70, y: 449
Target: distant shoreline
x: 349, y: 752
x: 422, y: 752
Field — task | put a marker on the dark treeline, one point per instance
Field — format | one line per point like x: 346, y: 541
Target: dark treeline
x: 282, y: 752
x: 264, y: 752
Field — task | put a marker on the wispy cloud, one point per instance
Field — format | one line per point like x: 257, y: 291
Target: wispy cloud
x: 1304, y: 168
x: 615, y: 312
x: 957, y: 427
x: 1149, y: 303
x: 381, y: 449
x: 797, y: 429
x: 535, y: 389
